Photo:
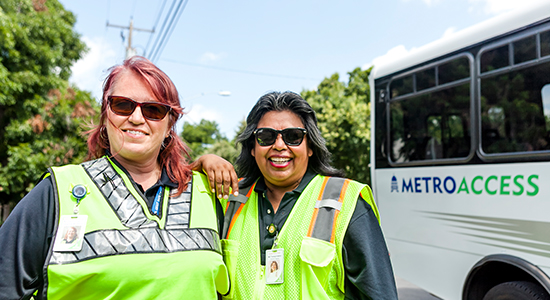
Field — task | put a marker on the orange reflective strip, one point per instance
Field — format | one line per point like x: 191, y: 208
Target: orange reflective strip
x: 313, y: 219
x: 316, y: 210
x: 343, y: 191
x: 337, y: 212
x: 251, y: 189
x: 236, y: 215
x: 323, y: 188
x: 234, y: 218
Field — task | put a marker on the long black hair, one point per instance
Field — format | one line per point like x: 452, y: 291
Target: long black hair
x: 319, y: 162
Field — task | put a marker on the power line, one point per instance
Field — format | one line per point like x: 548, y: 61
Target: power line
x: 240, y: 71
x: 156, y: 43
x: 172, y: 27
x: 156, y: 23
x: 166, y: 34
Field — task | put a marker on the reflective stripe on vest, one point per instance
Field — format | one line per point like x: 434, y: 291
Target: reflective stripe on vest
x: 328, y: 206
x: 234, y: 207
x: 117, y: 194
x: 147, y: 240
x: 326, y: 211
x: 143, y: 236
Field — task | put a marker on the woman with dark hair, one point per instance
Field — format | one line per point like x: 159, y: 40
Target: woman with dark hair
x: 150, y: 224
x: 295, y: 208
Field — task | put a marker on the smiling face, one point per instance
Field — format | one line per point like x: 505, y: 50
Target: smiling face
x: 273, y: 266
x: 71, y: 233
x: 134, y: 138
x: 281, y: 165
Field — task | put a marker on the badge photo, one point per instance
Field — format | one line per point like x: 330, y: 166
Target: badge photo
x: 274, y: 266
x: 70, y: 233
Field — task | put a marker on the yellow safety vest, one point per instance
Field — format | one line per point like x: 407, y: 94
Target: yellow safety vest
x: 312, y: 240
x: 129, y: 253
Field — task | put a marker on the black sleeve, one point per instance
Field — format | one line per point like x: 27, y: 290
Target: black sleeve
x: 25, y: 238
x: 369, y: 273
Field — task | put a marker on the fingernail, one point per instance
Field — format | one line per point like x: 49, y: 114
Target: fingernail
x: 236, y: 194
x: 225, y: 197
x: 213, y: 190
x: 220, y: 196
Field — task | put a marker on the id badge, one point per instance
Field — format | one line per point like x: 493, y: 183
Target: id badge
x: 70, y: 233
x: 274, y: 266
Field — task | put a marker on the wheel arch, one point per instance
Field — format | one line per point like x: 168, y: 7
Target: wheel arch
x: 498, y: 268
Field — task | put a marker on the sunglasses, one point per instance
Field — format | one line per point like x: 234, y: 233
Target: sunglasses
x: 124, y: 106
x: 291, y: 136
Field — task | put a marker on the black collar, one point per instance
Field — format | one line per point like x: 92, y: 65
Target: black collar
x: 261, y: 187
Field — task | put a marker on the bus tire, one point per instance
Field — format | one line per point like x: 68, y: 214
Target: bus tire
x: 517, y: 290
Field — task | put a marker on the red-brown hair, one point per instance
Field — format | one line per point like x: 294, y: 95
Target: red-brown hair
x: 173, y: 155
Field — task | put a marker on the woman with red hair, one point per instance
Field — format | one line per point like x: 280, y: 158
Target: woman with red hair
x: 149, y: 225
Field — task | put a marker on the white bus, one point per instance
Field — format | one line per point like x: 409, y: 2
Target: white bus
x: 461, y: 159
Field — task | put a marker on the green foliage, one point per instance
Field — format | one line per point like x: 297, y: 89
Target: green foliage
x: 52, y: 137
x: 225, y: 149
x: 41, y: 117
x: 200, y: 137
x: 205, y: 138
x: 343, y: 113
x: 239, y: 131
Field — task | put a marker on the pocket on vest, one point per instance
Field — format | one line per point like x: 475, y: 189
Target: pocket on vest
x: 317, y: 258
x: 230, y: 251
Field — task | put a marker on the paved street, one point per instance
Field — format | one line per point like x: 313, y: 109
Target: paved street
x: 409, y: 291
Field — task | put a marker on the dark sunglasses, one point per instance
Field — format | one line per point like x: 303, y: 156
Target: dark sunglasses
x: 291, y: 136
x: 124, y: 106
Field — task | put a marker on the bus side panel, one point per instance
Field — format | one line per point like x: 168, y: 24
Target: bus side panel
x: 440, y: 221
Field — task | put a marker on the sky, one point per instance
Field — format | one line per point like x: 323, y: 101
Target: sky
x: 247, y: 48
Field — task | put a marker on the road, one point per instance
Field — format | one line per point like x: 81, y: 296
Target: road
x: 409, y: 291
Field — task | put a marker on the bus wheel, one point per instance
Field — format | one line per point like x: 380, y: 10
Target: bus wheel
x: 517, y: 290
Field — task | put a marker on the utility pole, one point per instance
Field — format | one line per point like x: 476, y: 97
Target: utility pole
x: 130, y: 51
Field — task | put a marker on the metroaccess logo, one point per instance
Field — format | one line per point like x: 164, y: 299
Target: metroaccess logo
x: 513, y: 185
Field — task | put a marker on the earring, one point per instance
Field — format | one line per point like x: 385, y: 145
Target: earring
x: 166, y: 142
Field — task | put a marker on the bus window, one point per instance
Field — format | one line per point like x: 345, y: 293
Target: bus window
x: 495, y: 59
x: 494, y: 130
x: 421, y: 127
x: 434, y: 147
x: 525, y: 50
x: 545, y: 94
x: 401, y: 86
x: 454, y: 70
x: 456, y: 127
x: 380, y: 131
x: 512, y: 111
x: 545, y: 43
x: 425, y: 79
x: 495, y: 117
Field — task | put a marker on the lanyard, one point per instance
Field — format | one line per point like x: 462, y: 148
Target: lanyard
x: 156, y: 203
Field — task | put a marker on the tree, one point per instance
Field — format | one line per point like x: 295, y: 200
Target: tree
x: 201, y: 136
x: 343, y: 113
x: 239, y: 131
x: 225, y: 149
x: 205, y: 138
x: 41, y: 116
